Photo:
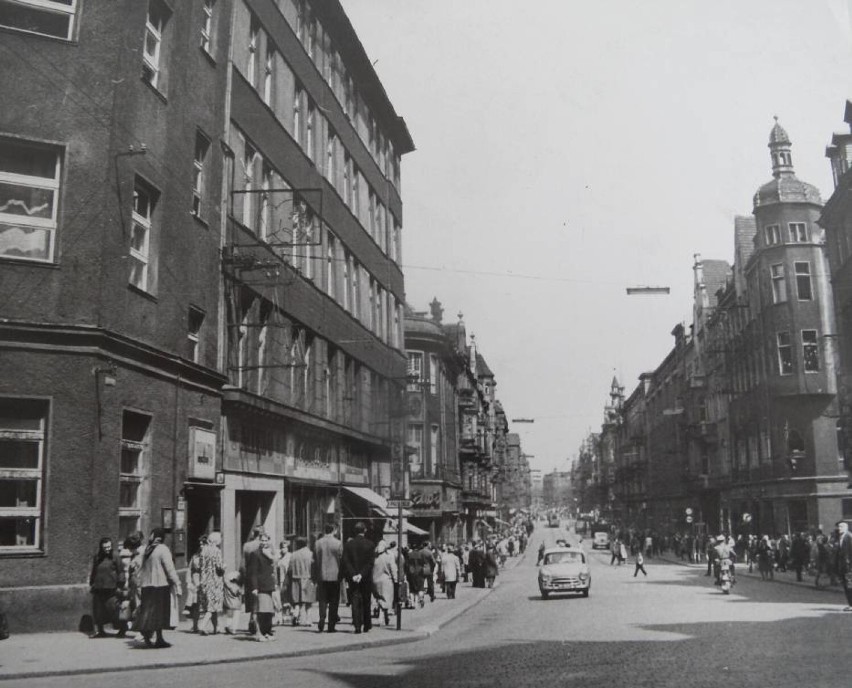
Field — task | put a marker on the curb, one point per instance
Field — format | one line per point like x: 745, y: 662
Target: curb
x: 414, y: 637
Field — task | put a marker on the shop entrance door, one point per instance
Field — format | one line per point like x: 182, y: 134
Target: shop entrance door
x: 202, y: 514
x: 252, y: 510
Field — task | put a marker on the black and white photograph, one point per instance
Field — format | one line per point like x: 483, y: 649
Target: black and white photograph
x: 425, y: 343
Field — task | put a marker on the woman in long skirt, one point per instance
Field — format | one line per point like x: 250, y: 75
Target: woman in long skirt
x: 158, y: 580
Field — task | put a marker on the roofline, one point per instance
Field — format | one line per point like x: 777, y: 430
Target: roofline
x: 332, y: 9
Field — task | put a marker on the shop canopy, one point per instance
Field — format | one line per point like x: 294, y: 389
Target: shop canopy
x: 378, y: 502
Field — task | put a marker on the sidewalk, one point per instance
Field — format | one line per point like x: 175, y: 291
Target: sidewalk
x: 50, y: 654
x: 786, y: 577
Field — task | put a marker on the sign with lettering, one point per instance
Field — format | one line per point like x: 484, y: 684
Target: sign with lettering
x: 202, y: 454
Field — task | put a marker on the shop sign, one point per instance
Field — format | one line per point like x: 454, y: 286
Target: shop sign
x: 422, y: 499
x: 202, y: 454
x: 354, y: 467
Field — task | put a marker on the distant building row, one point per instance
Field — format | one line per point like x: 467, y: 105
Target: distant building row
x: 745, y: 425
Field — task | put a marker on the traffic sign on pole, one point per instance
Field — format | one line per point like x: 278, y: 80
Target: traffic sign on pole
x: 399, y: 503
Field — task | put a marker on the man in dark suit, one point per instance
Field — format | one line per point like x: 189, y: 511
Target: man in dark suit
x: 358, y: 556
x: 327, y: 555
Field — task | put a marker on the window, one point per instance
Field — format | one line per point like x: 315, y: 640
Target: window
x: 779, y: 286
x: 297, y: 114
x: 207, y: 25
x: 269, y: 75
x: 347, y: 285
x: 798, y: 233
x: 309, y: 139
x: 356, y: 289
x: 371, y: 209
x: 152, y: 49
x: 265, y: 215
x: 773, y: 235
x: 254, y: 39
x: 330, y: 272
x: 810, y: 351
x: 356, y: 192
x: 415, y: 442
x: 133, y: 469
x: 371, y: 306
x: 434, y: 446
x: 415, y: 370
x: 46, y: 17
x: 249, y: 159
x: 23, y: 430
x: 29, y: 198
x: 803, y: 280
x: 262, y: 338
x: 202, y: 146
x: 331, y: 158
x: 785, y: 353
x: 347, y: 180
x: 195, y: 320
x: 434, y: 371
x: 144, y: 200
x: 379, y: 321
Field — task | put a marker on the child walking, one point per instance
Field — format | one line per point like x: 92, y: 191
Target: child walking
x: 640, y: 564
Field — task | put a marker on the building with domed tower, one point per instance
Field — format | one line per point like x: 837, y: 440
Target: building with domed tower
x: 773, y: 343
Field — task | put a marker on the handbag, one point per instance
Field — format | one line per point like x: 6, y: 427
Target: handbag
x: 125, y: 613
x: 174, y: 615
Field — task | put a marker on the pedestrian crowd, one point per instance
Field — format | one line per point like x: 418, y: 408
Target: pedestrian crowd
x: 136, y: 589
x: 826, y: 557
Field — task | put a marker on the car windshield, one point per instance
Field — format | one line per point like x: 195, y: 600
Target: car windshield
x: 564, y: 558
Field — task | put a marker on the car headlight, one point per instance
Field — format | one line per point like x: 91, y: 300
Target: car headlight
x: 584, y: 576
x: 544, y: 578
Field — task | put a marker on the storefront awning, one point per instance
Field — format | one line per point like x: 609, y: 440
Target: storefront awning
x: 413, y: 529
x: 375, y: 499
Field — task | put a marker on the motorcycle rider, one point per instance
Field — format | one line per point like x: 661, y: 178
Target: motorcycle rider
x: 723, y: 551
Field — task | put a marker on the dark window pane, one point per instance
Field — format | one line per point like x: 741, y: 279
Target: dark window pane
x: 18, y: 493
x: 17, y: 532
x: 26, y: 18
x: 18, y: 454
x: 134, y: 426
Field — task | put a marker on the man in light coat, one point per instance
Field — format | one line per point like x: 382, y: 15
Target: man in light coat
x: 451, y: 567
x: 329, y: 551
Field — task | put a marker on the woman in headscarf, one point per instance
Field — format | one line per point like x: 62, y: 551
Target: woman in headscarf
x: 103, y: 583
x: 260, y: 583
x: 384, y: 578
x: 301, y: 575
x: 158, y: 580
x: 211, y: 585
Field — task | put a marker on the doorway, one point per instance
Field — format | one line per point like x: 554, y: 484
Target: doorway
x: 252, y: 509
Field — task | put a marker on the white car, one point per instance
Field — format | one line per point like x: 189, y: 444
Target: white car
x: 601, y: 540
x: 564, y: 569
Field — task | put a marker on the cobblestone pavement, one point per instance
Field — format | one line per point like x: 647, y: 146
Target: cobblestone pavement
x: 673, y: 628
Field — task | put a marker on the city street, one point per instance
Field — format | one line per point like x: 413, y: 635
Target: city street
x: 673, y: 628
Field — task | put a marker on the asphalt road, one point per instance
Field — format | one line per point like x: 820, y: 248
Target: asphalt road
x: 672, y: 628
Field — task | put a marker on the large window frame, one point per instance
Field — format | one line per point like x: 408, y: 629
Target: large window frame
x: 29, y: 203
x: 779, y: 284
x: 810, y: 351
x: 63, y: 12
x: 798, y: 232
x: 144, y: 202
x: 772, y: 234
x: 23, y: 422
x: 804, y: 287
x: 152, y: 45
x: 785, y: 353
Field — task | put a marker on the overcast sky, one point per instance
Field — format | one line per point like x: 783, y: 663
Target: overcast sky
x: 567, y: 150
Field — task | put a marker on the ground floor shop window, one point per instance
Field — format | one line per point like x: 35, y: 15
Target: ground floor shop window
x: 23, y: 425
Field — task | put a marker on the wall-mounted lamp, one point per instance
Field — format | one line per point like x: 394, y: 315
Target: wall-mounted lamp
x: 107, y: 374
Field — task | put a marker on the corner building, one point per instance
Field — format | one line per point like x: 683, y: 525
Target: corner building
x: 110, y: 384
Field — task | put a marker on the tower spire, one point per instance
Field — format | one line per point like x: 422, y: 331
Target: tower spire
x: 779, y: 151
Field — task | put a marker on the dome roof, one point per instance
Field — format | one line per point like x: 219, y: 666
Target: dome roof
x: 421, y: 324
x: 786, y: 190
x: 778, y: 135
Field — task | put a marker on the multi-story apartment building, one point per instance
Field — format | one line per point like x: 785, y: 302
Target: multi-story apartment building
x: 313, y: 287
x: 200, y: 249
x: 434, y: 367
x: 739, y: 424
x: 110, y: 176
x: 836, y: 220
